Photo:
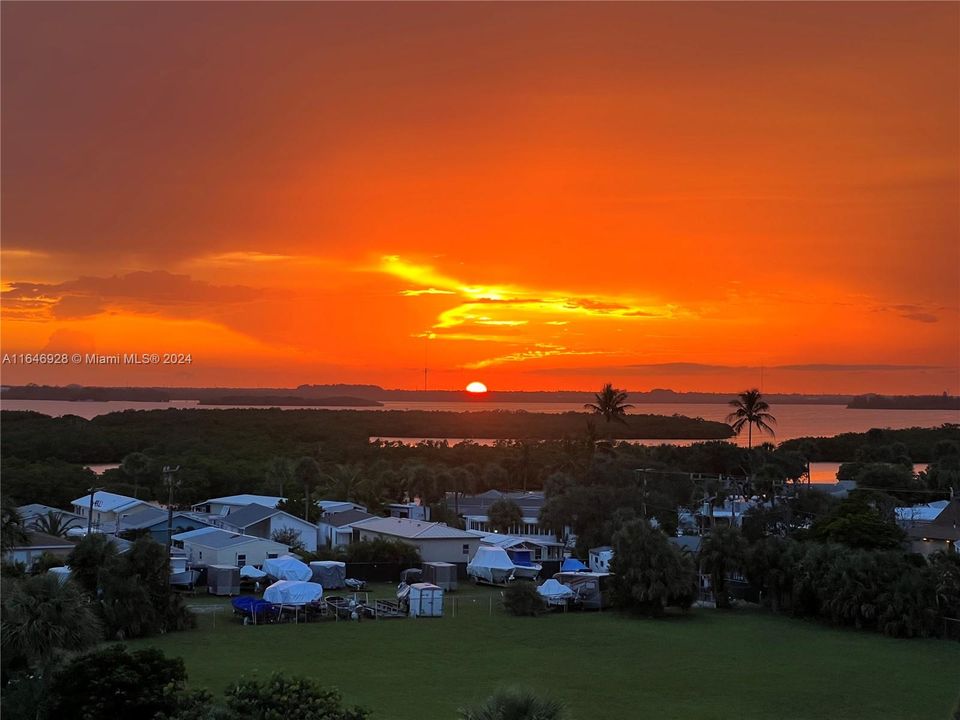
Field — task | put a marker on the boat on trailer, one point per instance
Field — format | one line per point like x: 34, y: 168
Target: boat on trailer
x: 491, y: 565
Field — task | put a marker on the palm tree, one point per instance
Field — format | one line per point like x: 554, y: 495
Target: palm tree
x: 307, y: 473
x: 43, y: 618
x: 53, y: 523
x: 279, y: 473
x: 722, y: 552
x: 611, y: 403
x: 515, y: 704
x: 11, y: 526
x: 750, y: 409
x: 135, y: 465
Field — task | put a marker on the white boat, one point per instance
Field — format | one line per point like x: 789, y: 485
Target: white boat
x: 491, y: 565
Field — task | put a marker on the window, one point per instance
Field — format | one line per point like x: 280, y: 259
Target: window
x: 271, y: 556
x: 201, y: 554
x: 466, y: 549
x: 241, y: 560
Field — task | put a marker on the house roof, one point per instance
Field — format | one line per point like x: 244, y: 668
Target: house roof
x: 530, y: 503
x: 509, y: 541
x: 217, y: 539
x: 344, y: 518
x: 36, y: 509
x: 149, y: 517
x: 921, y: 513
x: 109, y: 502
x: 192, y: 534
x: 687, y: 542
x: 39, y: 540
x: 949, y: 517
x: 415, y: 529
x: 243, y: 500
x: 250, y: 515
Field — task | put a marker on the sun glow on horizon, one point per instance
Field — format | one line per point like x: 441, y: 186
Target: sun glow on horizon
x: 476, y: 387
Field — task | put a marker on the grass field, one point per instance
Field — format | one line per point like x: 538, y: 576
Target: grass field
x: 707, y: 665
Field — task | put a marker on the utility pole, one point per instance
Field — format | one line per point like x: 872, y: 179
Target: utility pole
x: 168, y: 473
x: 92, y: 491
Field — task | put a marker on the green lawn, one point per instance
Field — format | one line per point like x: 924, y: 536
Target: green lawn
x: 739, y: 664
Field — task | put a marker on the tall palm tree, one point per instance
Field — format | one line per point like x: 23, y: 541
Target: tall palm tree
x: 722, y: 552
x: 750, y: 409
x: 611, y: 403
x: 307, y: 473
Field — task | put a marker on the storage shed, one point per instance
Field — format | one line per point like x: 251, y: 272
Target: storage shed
x: 441, y: 574
x: 223, y: 580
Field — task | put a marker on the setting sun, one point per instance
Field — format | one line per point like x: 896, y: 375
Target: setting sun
x: 476, y: 387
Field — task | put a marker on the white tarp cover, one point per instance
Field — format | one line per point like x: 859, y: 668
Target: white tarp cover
x: 293, y: 592
x: 491, y: 564
x: 249, y: 571
x: 553, y: 590
x: 492, y: 557
x: 287, y: 568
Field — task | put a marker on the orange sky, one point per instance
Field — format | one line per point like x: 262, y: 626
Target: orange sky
x: 537, y: 196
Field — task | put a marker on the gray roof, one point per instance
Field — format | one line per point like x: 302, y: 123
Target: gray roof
x: 249, y: 515
x: 149, y: 517
x: 346, y: 517
x: 219, y: 539
x: 419, y: 529
x: 687, y: 542
x: 142, y: 518
x: 530, y: 503
x: 42, y: 540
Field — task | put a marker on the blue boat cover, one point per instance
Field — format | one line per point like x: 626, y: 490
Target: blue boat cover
x: 573, y: 565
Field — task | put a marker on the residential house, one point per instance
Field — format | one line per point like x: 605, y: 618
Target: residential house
x: 30, y: 513
x: 941, y: 533
x: 473, y: 509
x: 410, y: 511
x: 261, y: 521
x: 600, y: 559
x: 728, y: 513
x: 335, y: 506
x: 154, y: 521
x: 215, y: 546
x: 336, y: 529
x: 540, y: 550
x: 226, y: 505
x: 107, y: 508
x: 435, y: 541
x: 38, y: 543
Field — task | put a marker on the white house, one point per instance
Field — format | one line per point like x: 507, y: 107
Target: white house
x: 336, y: 529
x: 435, y: 541
x: 539, y: 548
x: 107, y: 507
x: 215, y: 546
x: 37, y: 544
x: 336, y: 506
x: 226, y: 505
x: 600, y: 558
x: 29, y: 514
x: 263, y: 522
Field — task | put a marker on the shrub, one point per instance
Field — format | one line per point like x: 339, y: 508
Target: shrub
x: 522, y: 599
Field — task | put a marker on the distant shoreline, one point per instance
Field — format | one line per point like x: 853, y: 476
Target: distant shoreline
x: 374, y: 396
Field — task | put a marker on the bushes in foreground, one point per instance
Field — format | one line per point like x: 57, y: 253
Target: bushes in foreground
x: 114, y: 683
